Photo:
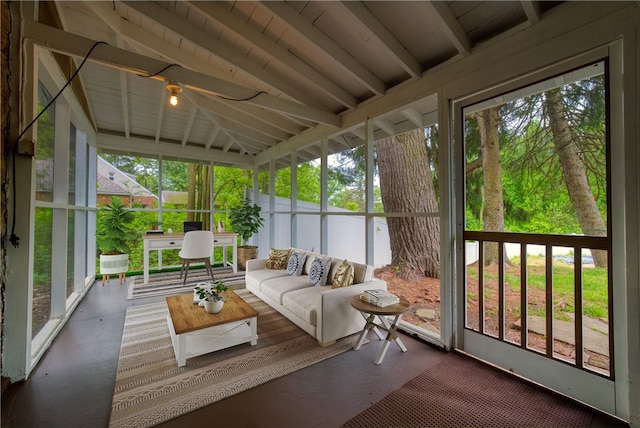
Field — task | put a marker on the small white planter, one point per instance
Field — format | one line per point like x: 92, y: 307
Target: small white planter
x: 213, y: 307
x: 111, y: 264
x: 114, y: 263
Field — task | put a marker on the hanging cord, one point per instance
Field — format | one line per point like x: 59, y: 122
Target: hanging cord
x: 15, y: 239
x: 160, y: 71
x: 241, y: 99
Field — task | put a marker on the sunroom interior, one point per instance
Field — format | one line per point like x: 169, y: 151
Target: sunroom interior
x: 273, y: 87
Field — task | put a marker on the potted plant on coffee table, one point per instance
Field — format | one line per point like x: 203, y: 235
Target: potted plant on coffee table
x: 113, y: 235
x: 211, y: 294
x: 245, y: 220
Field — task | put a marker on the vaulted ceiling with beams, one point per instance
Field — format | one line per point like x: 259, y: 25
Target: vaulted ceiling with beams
x: 259, y: 79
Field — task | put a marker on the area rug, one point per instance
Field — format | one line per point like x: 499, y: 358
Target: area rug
x: 150, y: 388
x: 168, y: 283
x: 462, y: 392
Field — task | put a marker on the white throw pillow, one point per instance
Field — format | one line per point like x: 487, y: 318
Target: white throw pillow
x: 296, y: 263
x: 319, y: 271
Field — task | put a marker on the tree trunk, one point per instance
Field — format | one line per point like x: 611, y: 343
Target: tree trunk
x: 493, y: 203
x: 406, y: 185
x: 575, y: 175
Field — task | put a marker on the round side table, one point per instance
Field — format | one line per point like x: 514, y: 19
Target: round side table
x: 369, y: 312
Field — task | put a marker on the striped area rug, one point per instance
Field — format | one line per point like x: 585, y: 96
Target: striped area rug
x: 169, y: 283
x: 150, y: 388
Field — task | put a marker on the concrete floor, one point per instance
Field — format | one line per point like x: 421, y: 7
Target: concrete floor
x: 72, y: 385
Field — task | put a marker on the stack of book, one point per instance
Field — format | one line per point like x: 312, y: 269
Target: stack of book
x: 380, y: 298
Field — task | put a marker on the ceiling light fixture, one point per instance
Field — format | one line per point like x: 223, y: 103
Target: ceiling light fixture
x: 175, y: 90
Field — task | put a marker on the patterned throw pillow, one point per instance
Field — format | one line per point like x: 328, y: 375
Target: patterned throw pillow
x: 296, y: 262
x: 277, y: 259
x: 344, y: 275
x: 319, y: 271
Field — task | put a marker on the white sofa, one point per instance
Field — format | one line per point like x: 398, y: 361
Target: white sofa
x: 322, y: 311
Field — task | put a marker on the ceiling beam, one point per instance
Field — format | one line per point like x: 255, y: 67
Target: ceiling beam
x: 342, y: 58
x: 358, y: 11
x: 224, y: 51
x: 532, y: 10
x: 276, y: 52
x: 161, y: 106
x: 71, y: 44
x: 189, y: 125
x: 414, y: 116
x: 449, y: 25
x: 212, y: 136
x: 236, y: 116
x: 149, y: 41
x: 386, y: 125
x: 135, y: 145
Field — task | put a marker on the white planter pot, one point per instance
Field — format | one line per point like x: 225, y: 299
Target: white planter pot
x: 213, y: 307
x: 114, y: 263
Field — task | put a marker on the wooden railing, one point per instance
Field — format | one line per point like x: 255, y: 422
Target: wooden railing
x: 578, y: 244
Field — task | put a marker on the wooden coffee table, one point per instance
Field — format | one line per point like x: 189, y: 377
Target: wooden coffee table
x: 195, y: 332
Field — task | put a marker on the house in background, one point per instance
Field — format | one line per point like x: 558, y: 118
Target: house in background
x: 113, y: 182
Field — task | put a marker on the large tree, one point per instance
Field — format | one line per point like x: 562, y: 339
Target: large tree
x: 574, y: 172
x: 493, y: 204
x: 406, y: 186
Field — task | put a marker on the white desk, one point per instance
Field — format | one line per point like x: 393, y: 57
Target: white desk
x: 173, y: 241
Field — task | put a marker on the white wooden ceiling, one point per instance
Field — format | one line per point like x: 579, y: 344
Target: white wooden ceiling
x: 261, y: 78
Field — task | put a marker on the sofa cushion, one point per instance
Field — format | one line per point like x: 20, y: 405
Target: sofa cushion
x: 256, y: 277
x: 343, y: 276
x: 296, y: 262
x: 277, y: 259
x: 304, y: 302
x: 276, y: 288
x: 319, y: 271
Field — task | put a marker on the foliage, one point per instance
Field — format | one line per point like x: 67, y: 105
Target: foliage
x: 245, y: 219
x: 113, y: 231
x: 211, y: 292
x: 536, y: 199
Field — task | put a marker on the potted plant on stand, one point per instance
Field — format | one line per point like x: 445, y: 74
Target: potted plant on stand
x: 245, y: 220
x: 113, y: 234
x: 211, y: 296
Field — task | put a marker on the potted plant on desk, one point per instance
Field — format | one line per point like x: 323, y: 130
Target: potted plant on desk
x: 211, y: 294
x: 113, y: 234
x: 245, y: 220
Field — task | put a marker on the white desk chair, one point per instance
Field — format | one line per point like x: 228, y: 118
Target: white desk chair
x: 197, y: 246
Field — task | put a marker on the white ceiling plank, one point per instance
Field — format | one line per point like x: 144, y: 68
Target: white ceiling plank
x: 70, y: 44
x: 149, y: 41
x: 189, y: 125
x: 124, y: 96
x: 449, y: 25
x: 161, y: 106
x: 342, y: 58
x: 221, y: 50
x: 104, y: 11
x: 394, y: 48
x: 240, y: 27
